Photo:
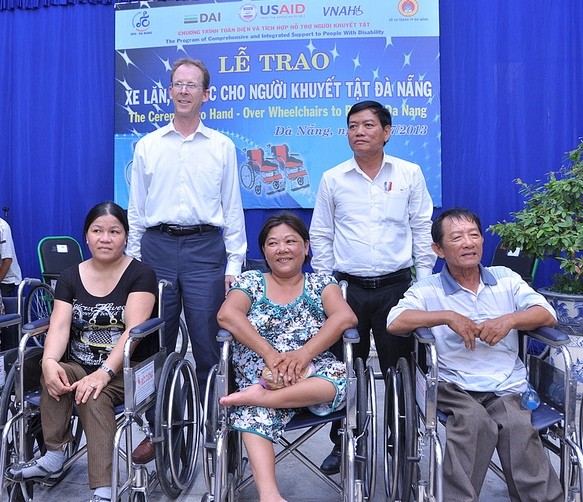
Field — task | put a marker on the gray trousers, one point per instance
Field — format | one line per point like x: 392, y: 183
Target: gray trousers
x: 97, y: 418
x: 478, y: 423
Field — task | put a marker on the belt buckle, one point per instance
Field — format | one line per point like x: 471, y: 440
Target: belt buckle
x: 173, y: 230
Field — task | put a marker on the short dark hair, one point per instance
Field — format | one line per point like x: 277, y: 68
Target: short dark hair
x: 288, y: 218
x: 458, y: 213
x: 382, y: 113
x: 206, y: 78
x: 102, y: 209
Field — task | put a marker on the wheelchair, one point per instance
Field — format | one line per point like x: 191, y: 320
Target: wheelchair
x: 225, y: 466
x: 413, y: 450
x: 164, y: 382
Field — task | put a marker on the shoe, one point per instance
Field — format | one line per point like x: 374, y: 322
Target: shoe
x: 331, y: 464
x: 97, y: 498
x: 145, y: 452
x: 15, y: 473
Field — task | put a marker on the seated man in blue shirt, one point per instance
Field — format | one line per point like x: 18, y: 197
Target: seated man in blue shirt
x: 474, y: 313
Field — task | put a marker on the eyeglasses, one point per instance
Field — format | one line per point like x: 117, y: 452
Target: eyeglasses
x: 189, y: 86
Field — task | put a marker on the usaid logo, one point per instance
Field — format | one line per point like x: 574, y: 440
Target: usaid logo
x: 248, y: 12
x: 282, y: 10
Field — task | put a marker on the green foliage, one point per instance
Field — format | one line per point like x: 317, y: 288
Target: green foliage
x: 551, y: 223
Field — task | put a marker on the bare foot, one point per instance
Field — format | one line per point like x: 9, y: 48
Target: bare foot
x: 251, y: 396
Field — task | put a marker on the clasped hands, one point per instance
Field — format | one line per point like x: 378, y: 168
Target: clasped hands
x: 290, y: 366
x: 57, y: 382
x: 490, y: 331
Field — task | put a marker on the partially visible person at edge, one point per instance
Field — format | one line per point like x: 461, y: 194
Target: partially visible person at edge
x: 10, y: 274
x: 371, y: 227
x: 474, y: 313
x: 285, y: 321
x: 186, y: 218
x: 96, y: 304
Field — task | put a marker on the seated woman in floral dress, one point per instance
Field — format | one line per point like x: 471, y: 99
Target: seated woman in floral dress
x: 283, y: 323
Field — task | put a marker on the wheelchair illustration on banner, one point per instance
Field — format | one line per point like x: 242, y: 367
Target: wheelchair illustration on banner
x: 273, y: 173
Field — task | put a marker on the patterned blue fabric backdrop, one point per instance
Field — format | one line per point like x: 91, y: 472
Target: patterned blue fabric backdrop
x: 511, y: 94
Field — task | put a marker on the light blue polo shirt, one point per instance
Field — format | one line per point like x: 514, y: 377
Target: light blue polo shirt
x: 487, y: 368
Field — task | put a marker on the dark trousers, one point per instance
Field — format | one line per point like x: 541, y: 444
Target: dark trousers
x: 477, y: 424
x: 371, y: 307
x: 8, y: 290
x: 195, y: 265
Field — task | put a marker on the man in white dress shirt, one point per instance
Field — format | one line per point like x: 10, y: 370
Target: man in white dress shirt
x: 371, y: 226
x: 186, y: 217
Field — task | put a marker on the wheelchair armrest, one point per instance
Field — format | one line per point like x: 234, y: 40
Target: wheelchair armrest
x: 9, y: 320
x: 424, y: 335
x: 351, y: 335
x: 224, y: 336
x: 144, y: 329
x: 549, y: 336
x: 36, y: 327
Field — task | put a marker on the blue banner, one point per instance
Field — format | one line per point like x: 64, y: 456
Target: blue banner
x: 283, y: 76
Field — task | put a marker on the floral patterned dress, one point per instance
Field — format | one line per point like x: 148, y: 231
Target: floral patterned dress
x: 285, y: 327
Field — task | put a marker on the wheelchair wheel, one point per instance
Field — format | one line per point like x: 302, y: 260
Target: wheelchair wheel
x: 210, y: 426
x: 182, y: 338
x: 177, y: 421
x: 32, y: 431
x: 39, y: 305
x: 366, y: 428
x: 400, y: 430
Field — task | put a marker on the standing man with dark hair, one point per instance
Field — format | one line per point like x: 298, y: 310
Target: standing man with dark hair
x: 371, y: 227
x: 186, y: 218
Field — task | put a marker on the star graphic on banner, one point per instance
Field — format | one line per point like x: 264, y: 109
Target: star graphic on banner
x: 407, y: 61
x: 388, y: 41
x: 126, y: 58
x: 375, y: 74
x: 311, y: 47
x: 125, y: 84
x: 166, y: 63
x: 356, y: 61
x: 334, y: 53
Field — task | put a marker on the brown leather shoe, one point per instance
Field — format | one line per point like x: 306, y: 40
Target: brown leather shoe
x: 145, y: 452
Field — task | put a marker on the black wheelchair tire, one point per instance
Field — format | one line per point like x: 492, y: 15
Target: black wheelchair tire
x: 177, y: 423
x: 34, y: 439
x: 400, y: 442
x: 366, y: 429
x: 182, y: 339
x: 39, y: 305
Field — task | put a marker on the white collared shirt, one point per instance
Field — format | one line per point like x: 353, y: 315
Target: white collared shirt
x: 367, y: 227
x: 495, y: 368
x: 14, y: 275
x: 187, y: 181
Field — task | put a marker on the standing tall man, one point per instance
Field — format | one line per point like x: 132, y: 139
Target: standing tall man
x: 186, y: 216
x: 371, y: 225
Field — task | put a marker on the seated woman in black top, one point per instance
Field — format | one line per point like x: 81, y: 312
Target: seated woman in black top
x: 96, y: 304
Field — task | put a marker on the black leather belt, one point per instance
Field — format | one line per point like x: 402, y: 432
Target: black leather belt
x: 397, y: 277
x: 183, y: 229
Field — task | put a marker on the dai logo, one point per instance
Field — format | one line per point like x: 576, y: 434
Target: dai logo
x: 202, y: 18
x: 141, y: 21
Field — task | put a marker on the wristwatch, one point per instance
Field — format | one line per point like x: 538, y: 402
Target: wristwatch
x: 109, y: 371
